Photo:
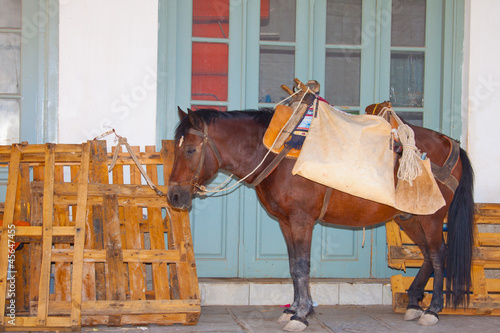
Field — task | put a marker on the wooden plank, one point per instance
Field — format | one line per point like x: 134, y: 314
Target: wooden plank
x: 98, y: 173
x: 62, y: 271
x: 129, y: 256
x: 35, y: 248
x: 125, y: 307
x: 167, y: 157
x: 122, y: 190
x: 136, y: 271
x: 134, y: 237
x: 22, y: 213
x: 7, y: 225
x: 114, y: 254
x: 79, y: 244
x: 48, y: 217
x: 157, y: 239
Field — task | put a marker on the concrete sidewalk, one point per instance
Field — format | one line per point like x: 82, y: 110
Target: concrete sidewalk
x: 345, y: 319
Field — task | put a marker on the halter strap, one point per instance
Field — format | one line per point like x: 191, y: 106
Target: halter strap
x: 206, y: 138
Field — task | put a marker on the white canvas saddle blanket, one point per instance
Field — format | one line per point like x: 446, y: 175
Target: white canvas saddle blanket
x: 354, y: 154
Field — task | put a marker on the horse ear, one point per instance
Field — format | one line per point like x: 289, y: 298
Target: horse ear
x: 181, y: 113
x: 194, y: 119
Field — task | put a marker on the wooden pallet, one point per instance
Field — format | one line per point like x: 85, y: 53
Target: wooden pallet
x: 485, y: 297
x: 115, y: 253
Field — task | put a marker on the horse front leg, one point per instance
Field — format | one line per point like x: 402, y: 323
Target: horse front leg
x: 300, y: 262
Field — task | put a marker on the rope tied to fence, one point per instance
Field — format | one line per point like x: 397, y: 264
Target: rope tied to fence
x: 122, y: 141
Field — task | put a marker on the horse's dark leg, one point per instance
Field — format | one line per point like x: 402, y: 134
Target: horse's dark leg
x: 433, y: 228
x: 287, y: 234
x: 301, y: 231
x: 414, y: 230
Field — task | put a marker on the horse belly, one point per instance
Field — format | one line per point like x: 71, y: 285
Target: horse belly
x: 347, y: 210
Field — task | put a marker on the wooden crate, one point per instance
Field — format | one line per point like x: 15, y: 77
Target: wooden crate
x: 114, y: 253
x: 485, y: 297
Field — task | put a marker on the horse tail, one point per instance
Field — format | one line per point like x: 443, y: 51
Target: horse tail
x: 460, y: 238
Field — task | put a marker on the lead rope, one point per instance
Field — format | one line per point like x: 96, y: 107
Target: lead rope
x: 409, y: 165
x: 120, y: 140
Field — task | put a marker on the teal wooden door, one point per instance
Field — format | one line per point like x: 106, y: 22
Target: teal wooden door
x: 233, y: 54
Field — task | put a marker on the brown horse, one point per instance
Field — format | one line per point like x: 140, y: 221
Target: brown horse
x: 207, y: 140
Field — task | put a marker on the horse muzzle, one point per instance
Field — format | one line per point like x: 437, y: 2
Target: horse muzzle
x: 179, y: 196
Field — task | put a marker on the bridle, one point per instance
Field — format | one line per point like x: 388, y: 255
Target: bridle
x: 206, y: 138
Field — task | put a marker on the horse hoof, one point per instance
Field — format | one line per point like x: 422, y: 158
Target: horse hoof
x: 428, y: 319
x: 412, y: 314
x: 285, y: 318
x: 295, y: 326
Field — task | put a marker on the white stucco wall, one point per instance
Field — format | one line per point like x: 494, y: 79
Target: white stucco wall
x: 483, y: 97
x: 107, y: 69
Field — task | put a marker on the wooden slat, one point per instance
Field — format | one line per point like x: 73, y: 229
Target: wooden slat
x: 62, y: 271
x: 157, y: 239
x: 113, y: 246
x: 80, y: 219
x: 129, y: 256
x: 98, y: 173
x: 48, y: 216
x: 123, y: 190
x: 136, y: 271
x: 22, y: 213
x: 6, y: 226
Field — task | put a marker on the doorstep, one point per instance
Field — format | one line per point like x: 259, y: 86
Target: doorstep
x: 233, y: 291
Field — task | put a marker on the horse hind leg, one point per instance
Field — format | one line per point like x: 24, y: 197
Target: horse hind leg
x: 416, y: 291
x: 433, y: 228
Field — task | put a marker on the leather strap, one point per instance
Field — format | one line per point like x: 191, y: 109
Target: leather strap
x: 326, y: 199
x: 270, y: 168
x: 443, y: 173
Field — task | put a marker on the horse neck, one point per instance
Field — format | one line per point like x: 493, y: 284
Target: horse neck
x: 240, y: 144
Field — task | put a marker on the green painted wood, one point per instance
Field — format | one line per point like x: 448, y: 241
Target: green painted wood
x: 39, y: 75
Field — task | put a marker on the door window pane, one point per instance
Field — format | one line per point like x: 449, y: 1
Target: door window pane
x: 209, y: 71
x: 343, y: 70
x: 9, y: 121
x: 408, y: 23
x: 211, y: 18
x: 10, y: 13
x: 277, y: 21
x: 343, y: 22
x: 10, y: 63
x: 407, y: 79
x: 277, y: 67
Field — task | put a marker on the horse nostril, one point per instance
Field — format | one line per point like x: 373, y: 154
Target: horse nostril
x: 175, y: 199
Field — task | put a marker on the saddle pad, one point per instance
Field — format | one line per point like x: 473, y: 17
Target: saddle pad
x: 350, y: 153
x: 280, y: 118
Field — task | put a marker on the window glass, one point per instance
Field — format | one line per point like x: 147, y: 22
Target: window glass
x: 209, y: 71
x: 211, y: 18
x: 343, y: 70
x: 343, y: 22
x: 10, y: 14
x: 407, y: 79
x: 277, y: 67
x: 9, y: 121
x: 209, y: 81
x: 408, y: 23
x: 10, y: 63
x: 277, y: 20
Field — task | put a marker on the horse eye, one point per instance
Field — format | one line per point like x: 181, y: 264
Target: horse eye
x: 190, y: 151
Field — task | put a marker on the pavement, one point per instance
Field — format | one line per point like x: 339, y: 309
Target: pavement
x: 332, y: 319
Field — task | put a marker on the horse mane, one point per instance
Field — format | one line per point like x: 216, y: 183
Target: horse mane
x: 261, y: 116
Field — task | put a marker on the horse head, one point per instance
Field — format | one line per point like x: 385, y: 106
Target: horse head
x: 196, y: 160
